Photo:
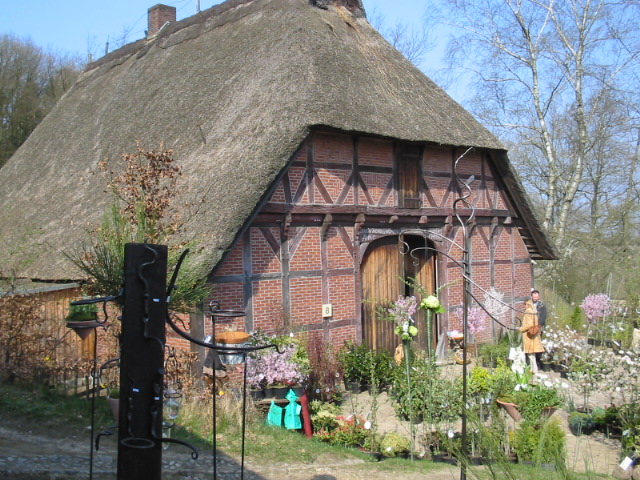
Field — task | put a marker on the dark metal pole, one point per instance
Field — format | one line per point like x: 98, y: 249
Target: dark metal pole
x: 465, y: 308
x: 141, y: 362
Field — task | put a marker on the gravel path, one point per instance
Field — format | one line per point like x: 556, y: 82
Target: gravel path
x: 25, y: 455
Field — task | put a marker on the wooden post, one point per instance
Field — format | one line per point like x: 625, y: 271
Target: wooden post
x: 142, y: 362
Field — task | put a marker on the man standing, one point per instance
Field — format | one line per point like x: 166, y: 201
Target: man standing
x: 541, y: 309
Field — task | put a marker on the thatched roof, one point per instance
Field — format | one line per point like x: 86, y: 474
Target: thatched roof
x: 233, y: 90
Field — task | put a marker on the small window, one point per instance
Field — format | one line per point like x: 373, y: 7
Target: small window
x: 408, y: 160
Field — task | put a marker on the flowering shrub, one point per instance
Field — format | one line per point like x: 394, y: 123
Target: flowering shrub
x: 595, y: 306
x: 561, y: 344
x: 274, y: 368
x: 476, y: 319
x: 401, y: 313
x: 621, y: 381
x: 494, y: 304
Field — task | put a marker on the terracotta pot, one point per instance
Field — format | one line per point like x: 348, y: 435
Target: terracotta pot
x: 511, y: 409
x: 83, y: 329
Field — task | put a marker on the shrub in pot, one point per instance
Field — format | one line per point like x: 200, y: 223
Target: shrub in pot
x: 355, y: 362
x: 581, y: 423
x: 381, y: 366
x: 533, y: 400
x: 394, y: 445
x: 82, y: 313
x: 428, y: 397
x: 541, y: 443
x: 491, y: 352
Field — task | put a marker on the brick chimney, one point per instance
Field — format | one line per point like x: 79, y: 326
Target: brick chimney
x: 159, y: 15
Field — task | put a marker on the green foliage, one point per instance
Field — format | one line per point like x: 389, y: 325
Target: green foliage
x: 581, y: 423
x: 491, y: 352
x: 577, y: 319
x: 478, y: 384
x: 429, y: 394
x: 612, y: 416
x: 380, y: 368
x: 534, y: 399
x: 349, y: 433
x: 355, y: 362
x: 324, y: 421
x: 82, y: 313
x: 503, y: 382
x: 41, y: 403
x: 541, y: 445
x: 394, y: 444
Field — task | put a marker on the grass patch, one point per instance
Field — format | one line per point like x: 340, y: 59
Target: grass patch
x: 43, y: 405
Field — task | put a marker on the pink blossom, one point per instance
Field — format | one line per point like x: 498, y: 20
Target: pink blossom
x: 595, y: 306
x: 274, y: 368
x: 476, y: 319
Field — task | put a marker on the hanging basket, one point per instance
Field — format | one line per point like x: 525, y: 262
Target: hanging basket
x: 83, y: 329
x: 231, y: 339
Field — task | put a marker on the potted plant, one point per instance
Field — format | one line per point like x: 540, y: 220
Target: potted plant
x: 581, y: 423
x: 380, y: 367
x: 355, y: 363
x: 394, y: 445
x: 82, y: 318
x: 113, y: 397
x: 349, y: 432
x: 275, y: 370
x: 502, y: 386
x: 478, y: 388
x: 410, y: 394
x: 536, y: 401
x: 86, y: 312
x: 541, y: 444
x: 490, y: 352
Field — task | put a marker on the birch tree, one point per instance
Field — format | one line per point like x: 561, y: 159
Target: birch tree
x: 543, y: 71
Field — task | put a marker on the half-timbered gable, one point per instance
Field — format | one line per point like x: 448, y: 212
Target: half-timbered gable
x: 347, y: 211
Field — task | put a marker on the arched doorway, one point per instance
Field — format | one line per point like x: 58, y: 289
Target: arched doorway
x: 385, y: 266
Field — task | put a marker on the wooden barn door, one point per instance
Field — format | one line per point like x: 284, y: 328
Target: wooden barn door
x: 421, y: 266
x: 383, y: 270
x: 381, y: 285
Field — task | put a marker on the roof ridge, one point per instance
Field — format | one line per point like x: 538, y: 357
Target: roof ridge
x: 166, y: 30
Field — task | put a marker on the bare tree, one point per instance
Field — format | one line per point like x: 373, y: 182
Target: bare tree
x: 31, y: 82
x: 414, y: 45
x: 544, y: 70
